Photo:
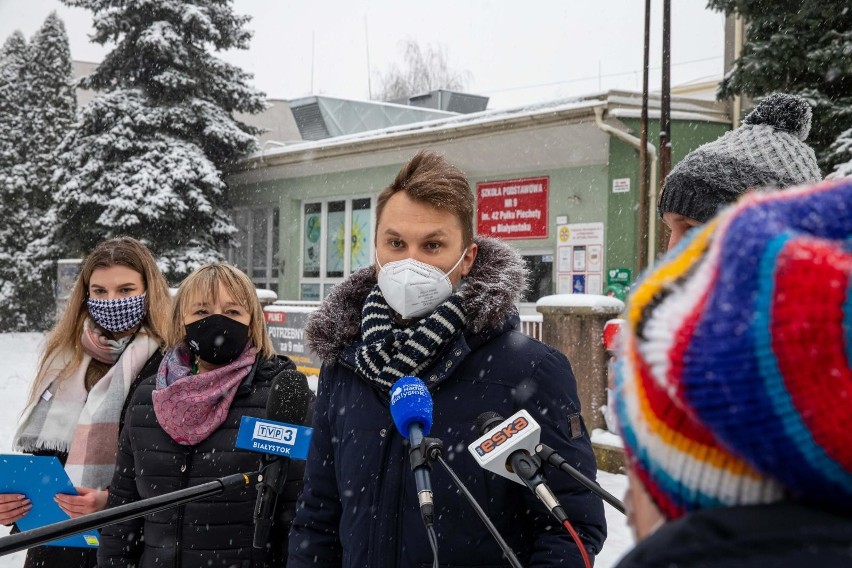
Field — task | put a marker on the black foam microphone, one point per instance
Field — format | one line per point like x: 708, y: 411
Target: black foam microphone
x: 288, y: 402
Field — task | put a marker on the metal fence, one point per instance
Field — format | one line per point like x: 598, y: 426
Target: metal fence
x: 530, y: 324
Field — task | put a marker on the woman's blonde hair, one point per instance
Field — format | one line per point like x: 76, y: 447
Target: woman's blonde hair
x: 204, y: 283
x: 65, y: 335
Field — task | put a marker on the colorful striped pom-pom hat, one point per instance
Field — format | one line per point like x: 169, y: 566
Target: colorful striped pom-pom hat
x: 734, y: 381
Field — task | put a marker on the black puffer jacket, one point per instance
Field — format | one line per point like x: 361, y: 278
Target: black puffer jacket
x: 216, y: 531
x: 780, y: 535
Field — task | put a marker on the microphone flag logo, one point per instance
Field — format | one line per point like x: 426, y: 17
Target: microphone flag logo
x: 277, y: 438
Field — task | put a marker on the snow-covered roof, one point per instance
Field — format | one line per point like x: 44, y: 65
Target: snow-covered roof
x: 267, y: 295
x: 595, y: 302
x: 290, y: 309
x: 673, y: 115
x: 617, y: 103
x: 454, y: 122
x: 322, y: 117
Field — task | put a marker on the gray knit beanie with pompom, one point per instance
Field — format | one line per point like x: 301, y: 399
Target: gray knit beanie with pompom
x: 768, y: 150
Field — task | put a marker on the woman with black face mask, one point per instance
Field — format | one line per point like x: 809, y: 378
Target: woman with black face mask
x: 107, y: 340
x: 181, y: 429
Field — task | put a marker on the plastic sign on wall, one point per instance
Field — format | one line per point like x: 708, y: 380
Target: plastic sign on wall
x: 618, y: 283
x: 512, y: 209
x: 286, y: 328
x: 579, y: 251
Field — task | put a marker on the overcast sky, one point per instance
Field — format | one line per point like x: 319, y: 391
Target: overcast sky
x: 515, y: 52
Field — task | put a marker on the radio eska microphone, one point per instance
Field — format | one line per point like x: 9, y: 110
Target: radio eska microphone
x: 282, y: 437
x: 411, y: 409
x: 507, y: 448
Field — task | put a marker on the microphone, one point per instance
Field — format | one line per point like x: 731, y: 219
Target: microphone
x: 507, y: 448
x: 411, y: 409
x: 288, y: 403
x: 549, y: 455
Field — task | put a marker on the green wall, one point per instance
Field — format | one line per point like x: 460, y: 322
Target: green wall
x: 622, y: 212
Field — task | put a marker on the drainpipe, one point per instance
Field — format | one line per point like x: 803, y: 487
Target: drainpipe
x: 738, y: 51
x: 652, y: 201
x: 641, y: 253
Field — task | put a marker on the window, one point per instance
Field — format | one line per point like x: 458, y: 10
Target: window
x: 540, y: 279
x: 336, y: 241
x: 255, y: 249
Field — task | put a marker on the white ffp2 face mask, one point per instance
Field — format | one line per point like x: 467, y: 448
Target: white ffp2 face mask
x: 413, y: 288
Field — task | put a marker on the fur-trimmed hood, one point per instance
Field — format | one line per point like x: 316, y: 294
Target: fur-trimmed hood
x: 490, y: 291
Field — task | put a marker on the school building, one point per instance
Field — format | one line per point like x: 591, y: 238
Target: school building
x: 559, y: 180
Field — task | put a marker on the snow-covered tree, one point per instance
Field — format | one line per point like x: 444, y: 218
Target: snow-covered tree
x: 146, y: 155
x: 50, y: 106
x: 424, y: 69
x: 841, y: 154
x: 51, y: 103
x: 800, y: 47
x: 38, y: 105
x: 15, y: 221
x: 13, y: 62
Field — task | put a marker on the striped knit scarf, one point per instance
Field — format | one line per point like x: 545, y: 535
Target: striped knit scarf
x: 389, y: 351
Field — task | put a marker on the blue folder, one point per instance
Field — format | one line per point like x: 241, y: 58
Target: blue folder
x: 40, y: 478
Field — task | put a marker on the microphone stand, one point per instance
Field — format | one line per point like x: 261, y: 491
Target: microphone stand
x: 41, y: 535
x: 270, y: 479
x: 550, y: 456
x: 432, y: 450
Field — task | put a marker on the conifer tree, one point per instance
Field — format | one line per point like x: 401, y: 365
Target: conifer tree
x: 13, y: 181
x: 800, y: 47
x: 38, y: 106
x: 841, y: 154
x: 146, y: 155
x: 51, y: 103
x: 13, y: 62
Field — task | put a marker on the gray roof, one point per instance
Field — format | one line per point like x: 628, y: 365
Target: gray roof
x: 320, y: 117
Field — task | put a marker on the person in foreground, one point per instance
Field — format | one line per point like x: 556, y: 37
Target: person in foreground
x: 106, y: 341
x: 439, y: 305
x: 181, y: 430
x: 734, y: 385
x: 768, y: 150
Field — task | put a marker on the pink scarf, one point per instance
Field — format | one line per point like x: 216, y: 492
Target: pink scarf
x: 100, y: 347
x: 68, y: 418
x: 191, y: 407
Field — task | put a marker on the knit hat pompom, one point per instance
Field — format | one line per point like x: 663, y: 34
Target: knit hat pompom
x: 790, y: 113
x: 766, y: 151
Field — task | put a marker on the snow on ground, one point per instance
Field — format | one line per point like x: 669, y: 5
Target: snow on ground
x: 18, y: 359
x: 620, y: 538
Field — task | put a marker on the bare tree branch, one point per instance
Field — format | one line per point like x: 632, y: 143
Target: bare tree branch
x: 423, y: 70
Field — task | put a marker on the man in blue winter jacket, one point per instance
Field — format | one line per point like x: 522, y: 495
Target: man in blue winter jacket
x: 439, y: 304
